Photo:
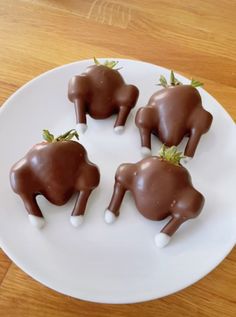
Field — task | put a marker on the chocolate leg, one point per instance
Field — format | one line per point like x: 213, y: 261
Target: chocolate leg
x: 80, y: 112
x: 121, y: 118
x: 163, y: 238
x: 126, y: 98
x: 116, y: 200
x: 32, y: 206
x: 192, y: 143
x: 145, y: 135
x: 35, y: 214
x: 81, y: 202
x: 79, y: 209
x: 172, y: 226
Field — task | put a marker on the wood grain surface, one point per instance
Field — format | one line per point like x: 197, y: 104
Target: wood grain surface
x: 196, y: 38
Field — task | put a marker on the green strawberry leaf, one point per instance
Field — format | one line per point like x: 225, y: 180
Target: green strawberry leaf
x: 171, y: 154
x: 107, y: 63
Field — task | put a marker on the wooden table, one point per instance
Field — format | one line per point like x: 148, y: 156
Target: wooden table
x: 195, y: 38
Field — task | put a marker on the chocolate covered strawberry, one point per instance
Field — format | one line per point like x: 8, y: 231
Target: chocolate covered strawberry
x: 101, y: 92
x: 172, y: 113
x: 56, y: 168
x: 161, y: 187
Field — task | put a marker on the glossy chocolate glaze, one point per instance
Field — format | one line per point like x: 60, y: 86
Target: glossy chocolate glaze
x: 56, y: 171
x: 171, y: 114
x: 101, y: 92
x: 160, y: 189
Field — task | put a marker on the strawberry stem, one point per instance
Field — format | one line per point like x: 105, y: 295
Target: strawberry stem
x: 171, y: 154
x: 195, y: 83
x: 107, y: 63
x: 67, y: 136
x: 175, y: 82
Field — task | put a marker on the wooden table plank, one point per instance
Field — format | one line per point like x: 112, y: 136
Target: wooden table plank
x: 4, y: 265
x: 196, y: 38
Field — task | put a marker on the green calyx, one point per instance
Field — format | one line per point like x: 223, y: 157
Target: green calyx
x: 109, y: 64
x: 69, y: 135
x: 171, y: 155
x: 175, y: 82
x: 195, y: 83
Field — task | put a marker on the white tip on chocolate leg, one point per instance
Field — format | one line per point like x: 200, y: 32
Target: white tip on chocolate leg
x: 119, y: 129
x: 109, y: 217
x: 81, y: 127
x: 162, y: 239
x: 187, y: 159
x: 37, y: 222
x: 145, y: 151
x: 76, y: 221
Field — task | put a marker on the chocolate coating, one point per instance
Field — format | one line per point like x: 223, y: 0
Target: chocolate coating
x: 56, y: 171
x: 101, y: 92
x: 171, y: 114
x: 160, y: 189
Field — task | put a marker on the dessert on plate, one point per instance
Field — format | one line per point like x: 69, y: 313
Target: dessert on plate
x: 56, y: 168
x: 101, y: 92
x: 161, y: 188
x: 171, y: 114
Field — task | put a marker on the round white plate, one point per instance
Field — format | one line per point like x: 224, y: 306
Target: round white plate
x: 116, y: 263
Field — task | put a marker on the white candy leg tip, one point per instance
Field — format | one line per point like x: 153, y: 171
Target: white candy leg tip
x: 119, y: 129
x: 37, y: 222
x: 187, y: 159
x: 81, y: 127
x: 145, y: 151
x: 109, y: 217
x: 162, y: 239
x: 76, y: 221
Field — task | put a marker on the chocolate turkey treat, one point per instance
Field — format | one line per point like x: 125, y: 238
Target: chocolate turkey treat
x: 161, y: 187
x: 172, y: 113
x: 56, y: 168
x: 101, y: 92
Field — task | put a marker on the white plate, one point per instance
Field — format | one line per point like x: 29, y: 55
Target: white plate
x: 118, y: 263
